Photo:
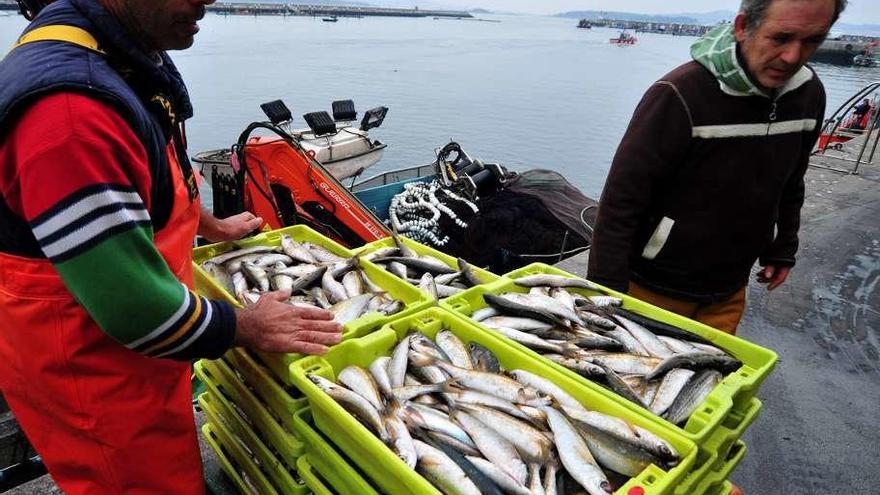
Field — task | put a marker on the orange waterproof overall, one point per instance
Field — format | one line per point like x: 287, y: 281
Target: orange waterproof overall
x: 104, y: 418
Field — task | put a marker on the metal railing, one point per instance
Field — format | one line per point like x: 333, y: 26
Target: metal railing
x: 839, y: 143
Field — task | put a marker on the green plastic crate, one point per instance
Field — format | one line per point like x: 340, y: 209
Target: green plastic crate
x: 391, y: 474
x: 311, y: 477
x: 485, y: 275
x: 235, y: 462
x: 327, y: 461
x: 724, y: 489
x: 275, y: 470
x: 264, y: 385
x: 717, y: 481
x: 734, y: 393
x: 225, y: 386
x: 414, y: 299
x: 714, y: 455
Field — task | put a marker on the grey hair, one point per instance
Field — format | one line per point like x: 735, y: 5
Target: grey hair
x: 756, y: 10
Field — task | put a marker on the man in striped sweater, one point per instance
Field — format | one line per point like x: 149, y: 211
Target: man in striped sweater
x: 709, y: 176
x: 99, y: 207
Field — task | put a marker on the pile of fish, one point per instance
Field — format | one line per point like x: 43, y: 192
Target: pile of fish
x: 655, y: 365
x: 451, y: 413
x: 430, y: 274
x: 313, y: 275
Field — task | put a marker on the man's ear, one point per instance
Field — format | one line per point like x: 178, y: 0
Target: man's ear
x: 740, y: 27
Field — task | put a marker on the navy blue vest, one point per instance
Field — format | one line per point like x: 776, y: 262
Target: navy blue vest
x: 150, y: 96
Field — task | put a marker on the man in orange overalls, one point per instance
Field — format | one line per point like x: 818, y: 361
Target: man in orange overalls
x: 98, y: 210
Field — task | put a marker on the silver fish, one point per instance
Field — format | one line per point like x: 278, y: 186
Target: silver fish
x: 695, y: 361
x: 361, y: 382
x: 575, y: 455
x: 556, y: 281
x: 397, y: 364
x: 231, y: 255
x: 443, y: 472
x: 379, y: 371
x: 673, y: 383
x: 654, y: 346
x: 351, y: 309
x: 353, y: 284
x: 256, y: 276
x: 468, y: 273
x: 455, y: 349
x: 220, y: 275
x: 494, y: 446
x: 296, y: 250
x: 499, y: 477
x: 548, y: 388
x: 531, y: 443
x: 399, y: 438
x: 696, y: 391
x: 353, y: 403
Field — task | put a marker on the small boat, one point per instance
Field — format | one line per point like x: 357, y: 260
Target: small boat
x: 851, y: 120
x: 624, y: 39
x: 332, y: 18
x: 343, y: 147
x: 585, y: 24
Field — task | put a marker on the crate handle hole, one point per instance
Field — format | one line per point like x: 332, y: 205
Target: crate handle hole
x: 649, y: 480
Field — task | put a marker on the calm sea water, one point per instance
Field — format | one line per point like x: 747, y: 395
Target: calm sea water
x: 527, y: 92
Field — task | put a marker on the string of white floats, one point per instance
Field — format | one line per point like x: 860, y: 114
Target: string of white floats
x: 417, y: 211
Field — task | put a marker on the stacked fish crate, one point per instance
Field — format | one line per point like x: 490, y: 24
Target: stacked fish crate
x: 260, y: 426
x: 704, y: 390
x: 397, y: 407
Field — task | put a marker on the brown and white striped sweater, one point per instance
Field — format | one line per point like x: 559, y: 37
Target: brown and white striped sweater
x: 706, y: 180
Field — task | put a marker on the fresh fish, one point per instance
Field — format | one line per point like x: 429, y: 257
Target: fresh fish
x: 547, y: 388
x: 361, y: 382
x: 620, y: 387
x: 606, y: 301
x: 444, y: 439
x: 695, y: 361
x: 421, y: 263
x: 322, y: 254
x: 231, y: 255
x: 677, y: 346
x: 593, y: 421
x: 494, y: 446
x: 617, y: 455
x: 353, y: 284
x: 698, y: 388
x: 556, y: 281
x: 281, y: 282
x: 596, y: 320
x: 239, y: 285
x: 673, y: 383
x: 348, y: 310
x: 547, y: 304
x: 218, y: 273
x: 444, y: 291
x: 271, y: 259
x: 531, y: 443
x: 442, y: 472
x: 431, y: 419
x: 371, y: 286
x: 502, y: 479
x: 580, y: 366
x: 398, y: 269
x: 490, y: 383
x: 550, y: 474
x: 468, y: 273
x: 353, y: 403
x: 447, y: 278
x: 320, y: 297
x: 482, y: 399
x: 537, y: 343
x: 406, y: 393
x: 483, y: 359
x: 574, y: 454
x: 583, y: 337
x: 256, y: 276
x: 485, y: 485
x: 379, y: 371
x: 536, y: 484
x: 455, y: 349
x: 399, y: 438
x: 398, y: 362
x: 652, y: 344
x: 708, y: 348
x: 296, y: 250
x: 381, y: 253
x: 401, y: 245
x: 630, y: 343
x: 392, y: 307
x: 517, y: 323
x: 429, y: 285
x: 660, y: 328
x: 527, y: 309
x: 335, y: 291
x: 627, y: 364
x: 484, y: 313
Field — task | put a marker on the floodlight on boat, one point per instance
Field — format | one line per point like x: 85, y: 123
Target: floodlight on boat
x: 343, y: 111
x: 320, y: 123
x: 373, y: 118
x: 277, y: 112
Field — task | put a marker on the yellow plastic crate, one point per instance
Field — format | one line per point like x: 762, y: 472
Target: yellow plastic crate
x: 413, y: 298
x: 222, y: 383
x: 235, y: 463
x: 390, y: 473
x: 275, y: 470
x: 265, y: 387
x: 334, y: 468
x: 312, y: 477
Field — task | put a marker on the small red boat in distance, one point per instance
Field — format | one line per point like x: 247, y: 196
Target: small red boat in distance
x: 624, y: 39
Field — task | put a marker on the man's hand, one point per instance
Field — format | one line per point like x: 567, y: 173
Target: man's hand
x: 773, y: 276
x: 227, y: 229
x: 270, y: 325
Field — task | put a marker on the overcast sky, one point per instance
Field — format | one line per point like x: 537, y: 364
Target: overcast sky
x: 859, y: 11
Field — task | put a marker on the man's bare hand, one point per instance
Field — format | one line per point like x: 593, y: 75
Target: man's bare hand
x: 773, y: 276
x: 271, y: 325
x: 228, y: 229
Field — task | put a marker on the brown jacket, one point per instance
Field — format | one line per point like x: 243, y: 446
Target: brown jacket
x: 705, y: 182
